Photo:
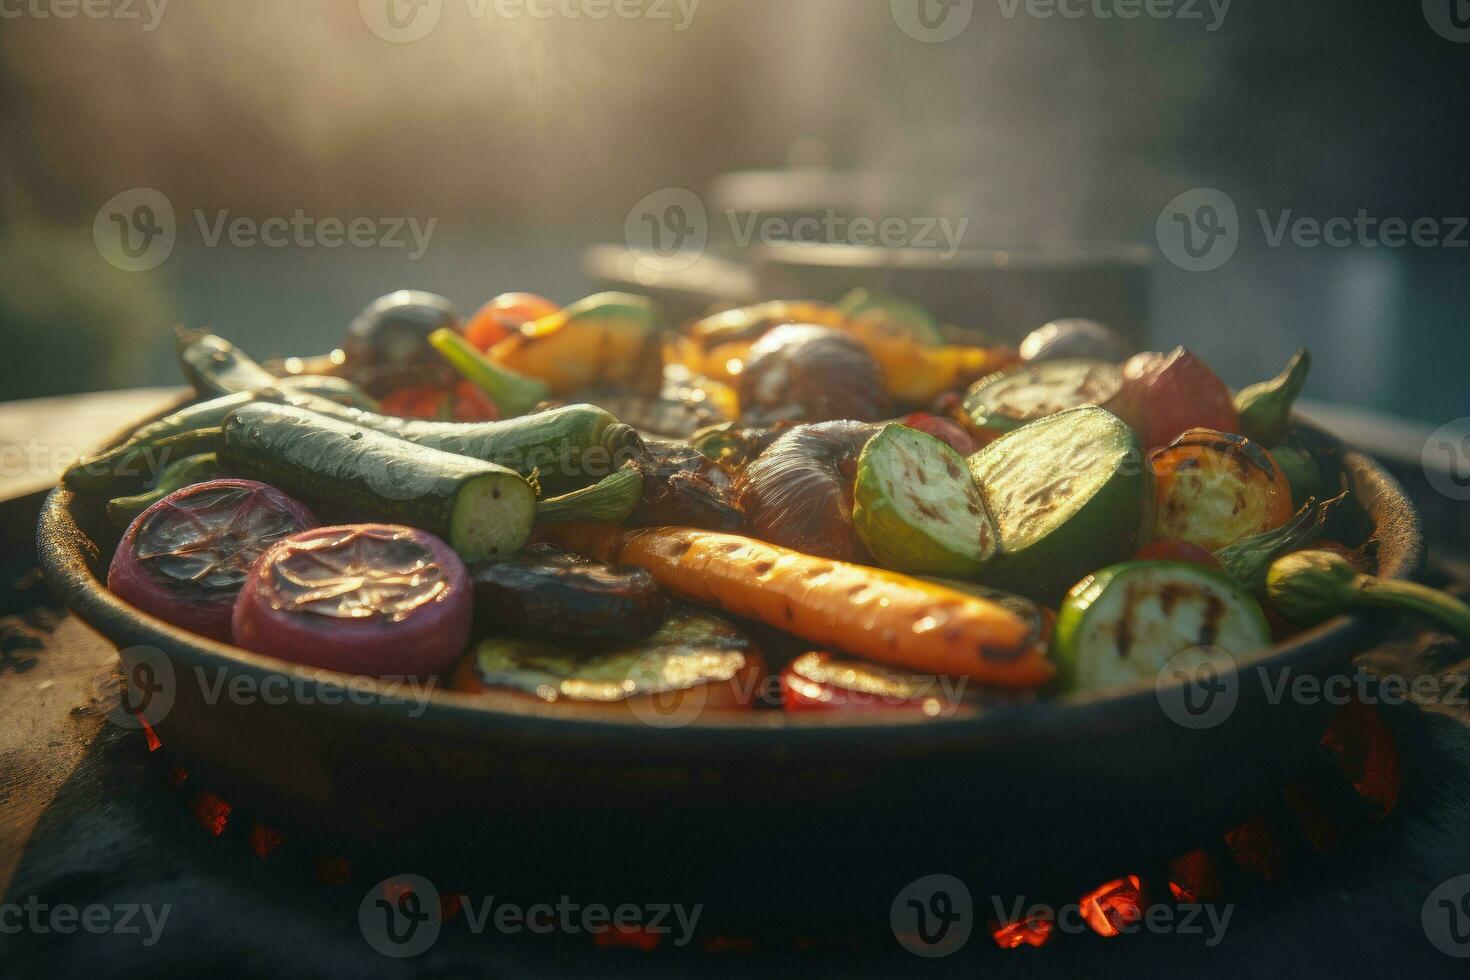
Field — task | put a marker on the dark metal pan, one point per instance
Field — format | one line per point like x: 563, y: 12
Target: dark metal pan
x: 775, y: 819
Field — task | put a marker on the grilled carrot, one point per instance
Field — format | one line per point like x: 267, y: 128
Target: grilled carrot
x: 887, y: 617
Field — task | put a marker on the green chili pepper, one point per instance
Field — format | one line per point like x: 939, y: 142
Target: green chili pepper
x: 1307, y: 587
x: 175, y: 476
x: 513, y: 393
x: 1248, y: 559
x: 1265, y: 408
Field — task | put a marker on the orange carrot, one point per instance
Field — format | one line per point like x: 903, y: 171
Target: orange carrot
x: 884, y: 616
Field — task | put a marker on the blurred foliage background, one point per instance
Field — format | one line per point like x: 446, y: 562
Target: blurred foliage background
x: 528, y: 140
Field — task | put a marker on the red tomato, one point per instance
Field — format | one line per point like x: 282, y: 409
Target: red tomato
x: 473, y: 405
x: 1174, y: 549
x: 504, y: 314
x: 944, y: 430
x: 1166, y: 394
x: 418, y: 402
x: 466, y: 404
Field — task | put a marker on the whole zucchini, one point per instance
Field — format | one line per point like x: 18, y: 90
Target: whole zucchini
x: 350, y: 473
x: 569, y: 447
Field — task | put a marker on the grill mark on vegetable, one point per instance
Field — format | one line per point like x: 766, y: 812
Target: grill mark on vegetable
x: 1125, y: 622
x: 1210, y: 629
x: 924, y: 508
x: 1169, y: 595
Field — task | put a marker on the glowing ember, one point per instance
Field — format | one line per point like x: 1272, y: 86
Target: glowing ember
x: 1110, y: 909
x: 264, y: 840
x: 1365, y: 749
x: 1257, y: 848
x: 627, y: 937
x: 1194, y: 877
x: 335, y: 871
x: 154, y: 742
x: 1028, y: 932
x: 212, y: 812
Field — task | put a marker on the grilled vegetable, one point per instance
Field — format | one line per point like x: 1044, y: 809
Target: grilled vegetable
x: 1308, y: 587
x: 387, y: 345
x: 682, y: 486
x: 1172, y: 549
x: 798, y: 493
x: 216, y: 367
x: 567, y: 448
x: 1166, y: 394
x: 1248, y: 559
x: 916, y: 374
x: 1265, y: 408
x: 694, y: 662
x: 369, y: 599
x: 1214, y: 488
x: 1006, y: 401
x: 545, y: 592
x: 879, y: 615
x: 175, y: 476
x: 872, y: 314
x: 947, y: 431
x: 326, y: 386
x: 819, y: 682
x: 915, y: 366
x: 462, y: 402
x: 611, y: 500
x: 1122, y: 625
x: 138, y: 456
x: 1036, y: 617
x: 136, y: 463
x: 514, y: 394
x: 505, y: 315
x: 199, y: 415
x: 1301, y: 472
x: 732, y: 445
x: 1075, y: 338
x: 1068, y: 494
x: 610, y: 338
x: 749, y: 323
x: 185, y: 558
x: 806, y: 373
x: 684, y: 404
x: 916, y: 507
x: 350, y: 473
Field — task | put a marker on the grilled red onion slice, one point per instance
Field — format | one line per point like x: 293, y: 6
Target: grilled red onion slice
x: 372, y: 599
x: 185, y: 558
